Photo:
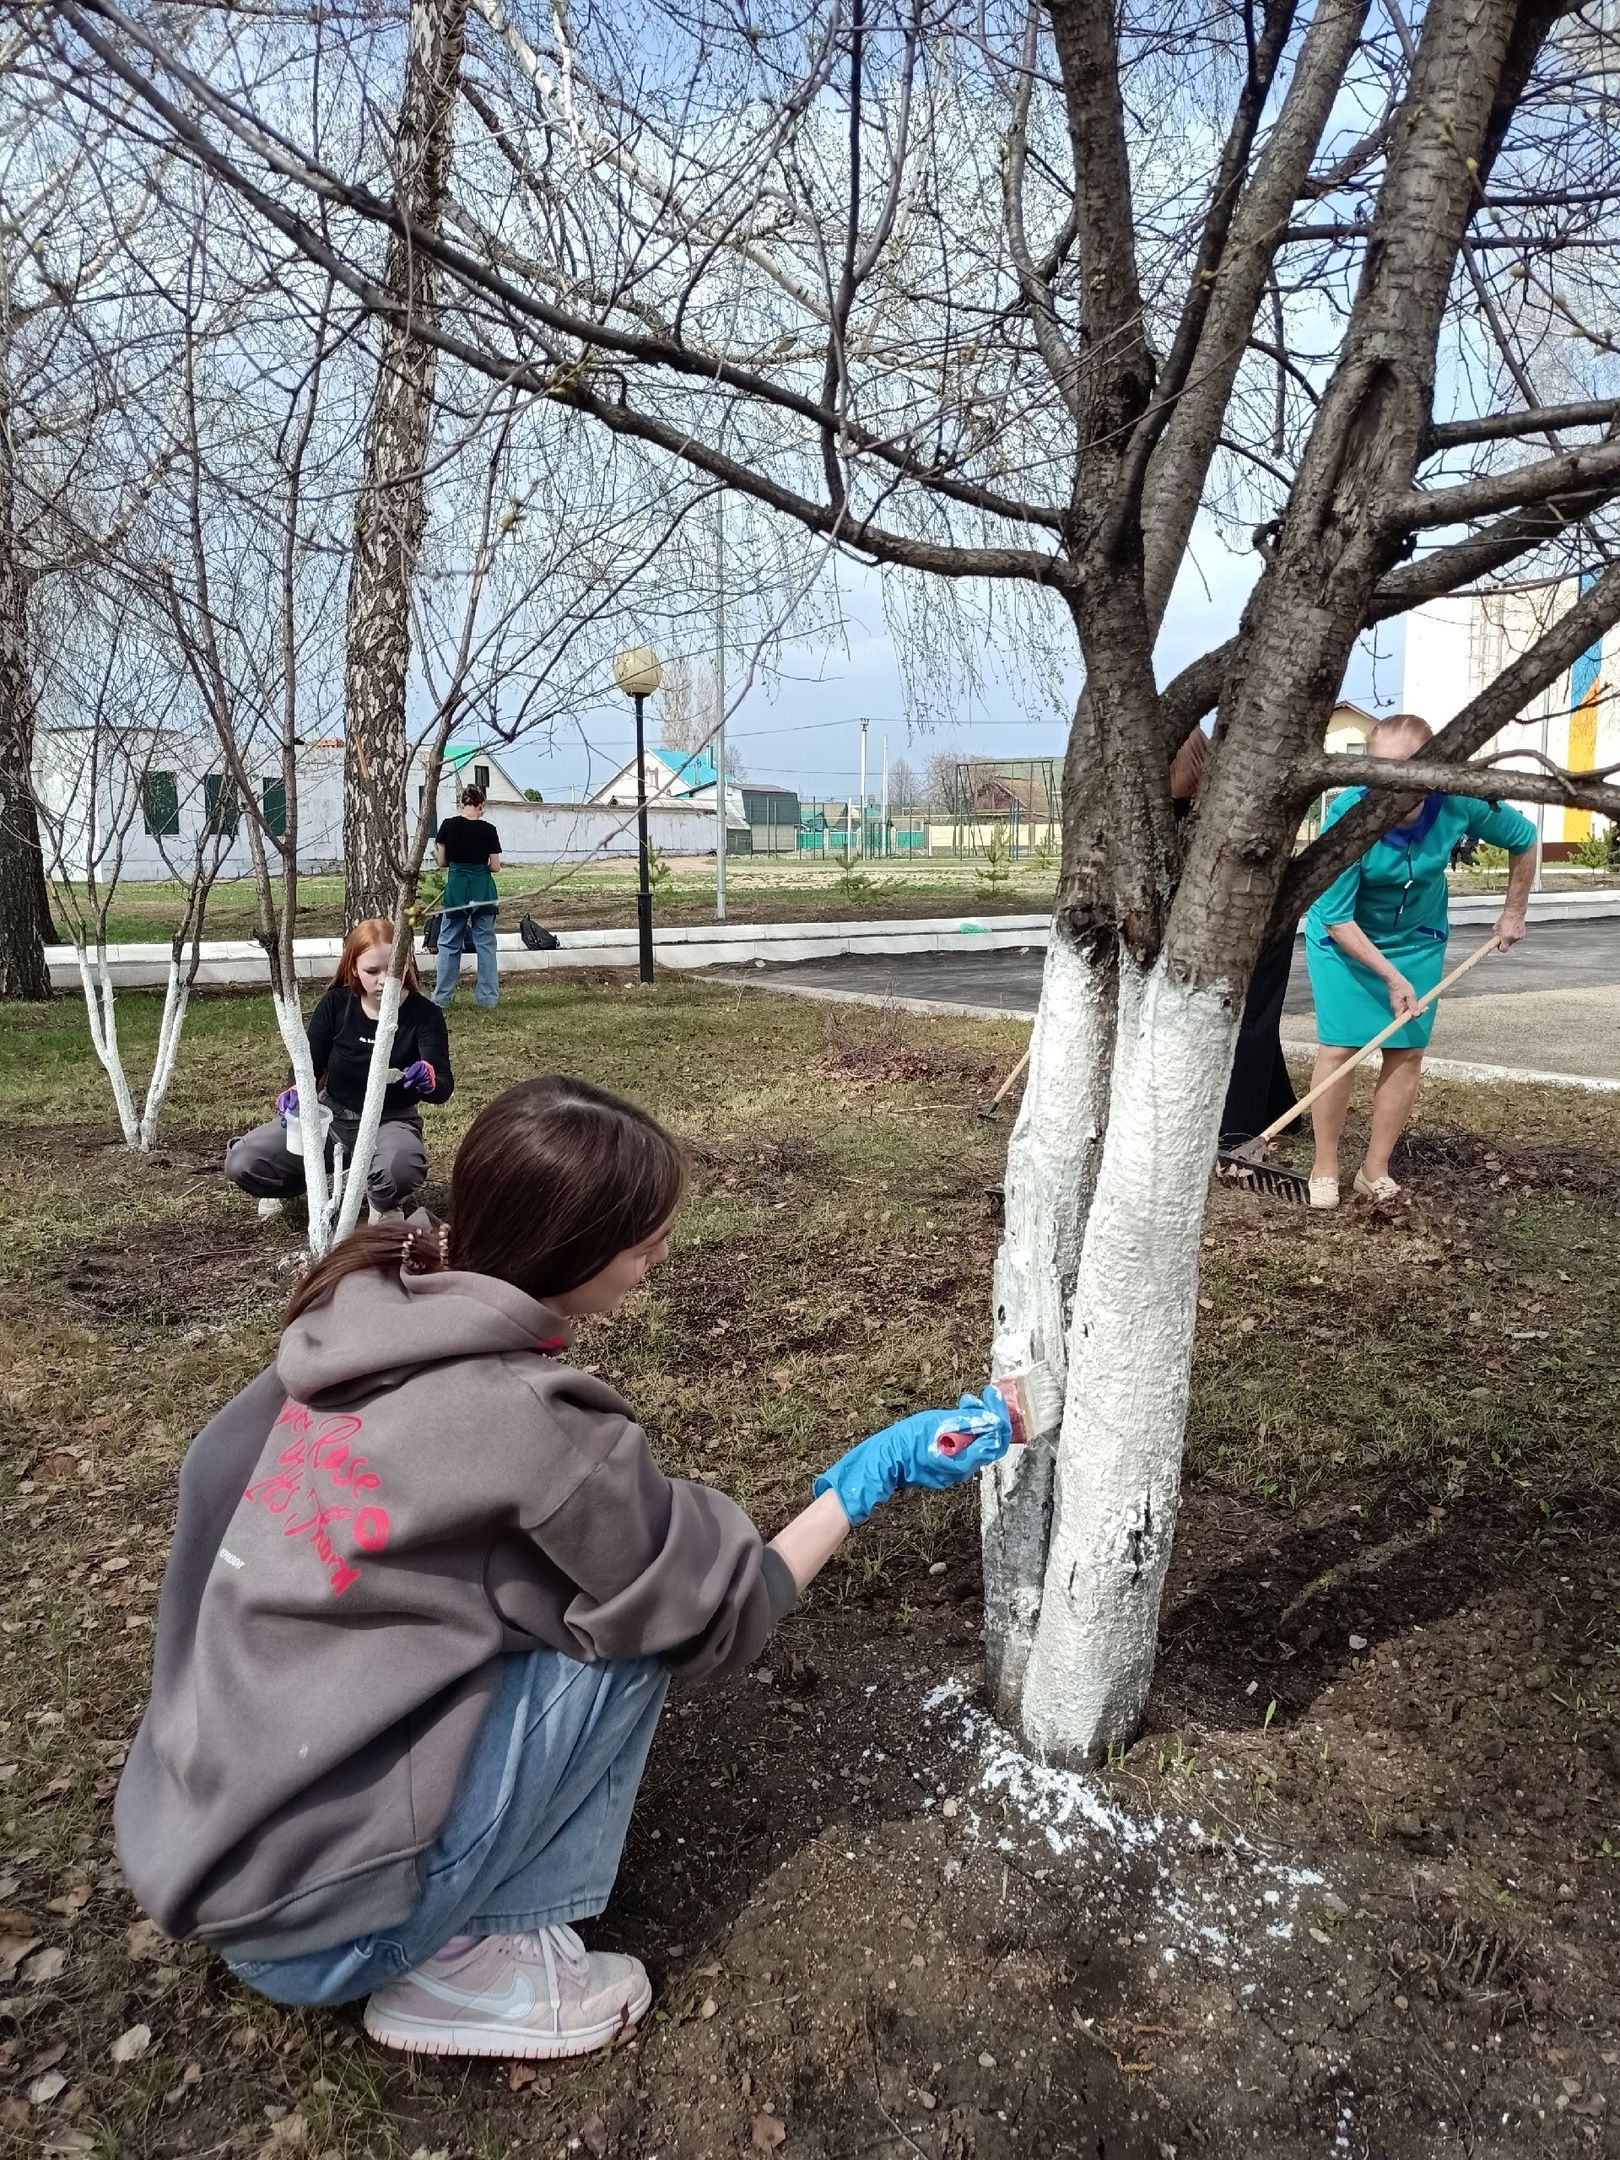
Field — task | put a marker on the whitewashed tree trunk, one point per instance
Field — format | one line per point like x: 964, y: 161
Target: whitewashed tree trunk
x: 371, y: 1109
x: 323, y: 1194
x: 176, y: 997
x: 1052, y: 1160
x: 1118, y: 1479
x: 100, y: 1004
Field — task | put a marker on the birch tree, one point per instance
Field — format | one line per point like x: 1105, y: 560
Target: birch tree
x: 75, y: 352
x: 1034, y: 301
x: 392, y: 509
x: 116, y: 716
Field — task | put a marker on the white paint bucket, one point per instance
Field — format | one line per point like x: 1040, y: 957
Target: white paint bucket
x: 295, y: 1130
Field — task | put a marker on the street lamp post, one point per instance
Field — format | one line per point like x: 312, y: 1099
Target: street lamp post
x: 638, y: 675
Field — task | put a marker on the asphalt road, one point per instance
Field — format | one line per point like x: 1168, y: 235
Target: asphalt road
x: 1552, y: 1004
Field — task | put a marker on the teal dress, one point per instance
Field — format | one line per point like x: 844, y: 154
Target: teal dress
x: 1397, y: 894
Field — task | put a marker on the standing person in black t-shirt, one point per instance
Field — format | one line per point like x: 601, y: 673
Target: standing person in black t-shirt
x: 342, y: 1029
x: 468, y: 851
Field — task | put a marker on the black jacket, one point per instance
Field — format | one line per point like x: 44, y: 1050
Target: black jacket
x: 340, y: 1040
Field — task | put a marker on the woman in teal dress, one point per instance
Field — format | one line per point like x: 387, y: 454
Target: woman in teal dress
x: 1375, y: 944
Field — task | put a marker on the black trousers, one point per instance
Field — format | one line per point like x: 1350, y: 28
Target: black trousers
x: 1260, y: 1089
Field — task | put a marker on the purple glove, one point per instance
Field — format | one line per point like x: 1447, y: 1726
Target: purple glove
x: 287, y: 1104
x: 419, y: 1079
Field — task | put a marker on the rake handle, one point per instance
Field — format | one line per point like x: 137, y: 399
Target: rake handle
x: 1001, y: 1091
x: 1377, y: 1043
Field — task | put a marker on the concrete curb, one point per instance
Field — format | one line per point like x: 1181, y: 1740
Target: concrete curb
x: 1444, y: 1068
x: 239, y: 963
x: 1439, y: 1068
x: 929, y: 1008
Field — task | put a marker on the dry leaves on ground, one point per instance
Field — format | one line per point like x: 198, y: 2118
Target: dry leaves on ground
x: 130, y: 2046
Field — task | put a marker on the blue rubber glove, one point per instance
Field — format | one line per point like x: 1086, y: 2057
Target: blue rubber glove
x: 287, y: 1104
x: 923, y: 1449
x: 419, y: 1079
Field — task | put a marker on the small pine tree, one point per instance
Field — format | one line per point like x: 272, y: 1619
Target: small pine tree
x: 994, y: 874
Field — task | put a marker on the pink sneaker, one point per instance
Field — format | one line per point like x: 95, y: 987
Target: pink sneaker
x: 523, y: 1996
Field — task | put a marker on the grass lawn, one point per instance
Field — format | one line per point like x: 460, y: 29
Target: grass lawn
x: 1359, y: 1869
x: 605, y: 897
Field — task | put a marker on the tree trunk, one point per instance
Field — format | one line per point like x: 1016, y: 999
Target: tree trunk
x: 392, y: 508
x: 25, y: 908
x: 100, y: 1004
x: 371, y: 1109
x: 1118, y: 1467
x: 321, y: 1194
x: 1052, y: 1161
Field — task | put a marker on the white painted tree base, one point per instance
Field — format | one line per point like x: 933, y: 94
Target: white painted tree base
x: 1107, y: 1177
x: 1052, y: 1159
x: 1118, y: 1484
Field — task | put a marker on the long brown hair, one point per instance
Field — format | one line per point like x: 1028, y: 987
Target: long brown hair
x: 554, y: 1179
x: 375, y: 930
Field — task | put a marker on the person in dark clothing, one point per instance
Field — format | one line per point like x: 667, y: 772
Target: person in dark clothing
x: 1260, y: 1090
x: 342, y: 1029
x: 467, y: 849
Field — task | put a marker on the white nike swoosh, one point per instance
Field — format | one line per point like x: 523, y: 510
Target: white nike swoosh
x: 515, y: 2001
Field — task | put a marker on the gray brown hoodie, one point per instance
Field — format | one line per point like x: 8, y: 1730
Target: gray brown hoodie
x: 418, y: 1487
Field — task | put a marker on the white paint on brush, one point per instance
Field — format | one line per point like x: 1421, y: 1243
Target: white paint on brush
x: 1129, y: 1357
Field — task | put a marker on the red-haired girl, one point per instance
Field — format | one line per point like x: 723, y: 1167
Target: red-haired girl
x: 342, y: 1028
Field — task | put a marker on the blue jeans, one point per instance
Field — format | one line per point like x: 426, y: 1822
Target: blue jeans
x: 534, y: 1833
x: 459, y: 928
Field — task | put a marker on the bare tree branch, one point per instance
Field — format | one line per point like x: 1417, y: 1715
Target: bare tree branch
x: 1406, y: 776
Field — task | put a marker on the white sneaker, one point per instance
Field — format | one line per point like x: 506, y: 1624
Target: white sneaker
x: 376, y: 1215
x: 524, y: 1996
x: 1380, y: 1190
x: 1324, y: 1192
x: 269, y: 1209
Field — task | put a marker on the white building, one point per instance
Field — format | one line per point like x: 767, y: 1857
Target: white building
x: 137, y: 806
x: 687, y: 777
x: 1455, y: 647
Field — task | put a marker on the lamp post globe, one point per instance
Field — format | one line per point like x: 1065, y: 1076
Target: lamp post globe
x: 637, y: 672
x: 638, y: 675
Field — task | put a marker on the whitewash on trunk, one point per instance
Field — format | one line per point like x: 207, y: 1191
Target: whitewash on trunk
x: 1052, y: 1161
x: 1118, y: 1481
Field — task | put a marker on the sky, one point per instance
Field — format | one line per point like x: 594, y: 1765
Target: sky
x: 803, y: 729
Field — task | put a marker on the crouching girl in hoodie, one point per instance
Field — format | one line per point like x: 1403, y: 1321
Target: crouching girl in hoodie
x: 426, y: 1593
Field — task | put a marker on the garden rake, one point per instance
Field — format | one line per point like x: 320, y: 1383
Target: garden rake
x: 1245, y: 1165
x: 996, y: 1100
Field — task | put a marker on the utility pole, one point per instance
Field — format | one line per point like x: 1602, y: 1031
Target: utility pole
x: 720, y: 702
x: 863, y: 788
x: 883, y: 803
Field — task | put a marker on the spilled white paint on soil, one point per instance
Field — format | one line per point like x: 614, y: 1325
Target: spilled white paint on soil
x: 1213, y: 1896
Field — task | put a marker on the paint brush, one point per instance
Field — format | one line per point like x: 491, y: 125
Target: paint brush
x: 1034, y: 1401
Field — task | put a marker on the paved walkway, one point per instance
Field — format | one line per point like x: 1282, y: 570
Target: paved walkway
x: 1552, y: 1004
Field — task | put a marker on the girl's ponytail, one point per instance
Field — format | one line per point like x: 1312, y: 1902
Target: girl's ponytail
x: 419, y: 1247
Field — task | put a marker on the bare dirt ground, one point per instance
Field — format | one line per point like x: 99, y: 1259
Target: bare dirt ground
x: 1352, y: 1892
